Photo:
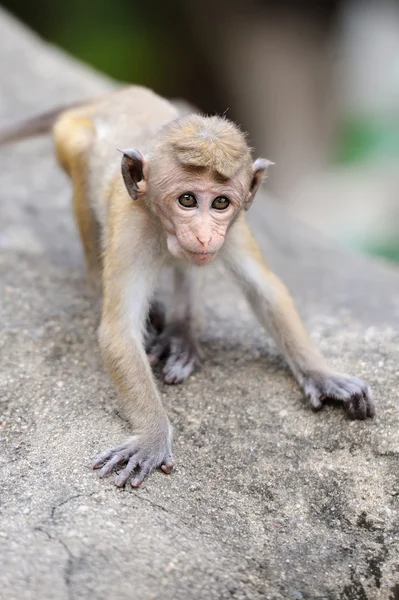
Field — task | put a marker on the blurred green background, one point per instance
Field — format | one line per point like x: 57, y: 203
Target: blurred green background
x: 142, y: 42
x: 317, y: 95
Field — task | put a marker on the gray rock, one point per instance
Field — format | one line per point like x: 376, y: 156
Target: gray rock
x: 268, y: 499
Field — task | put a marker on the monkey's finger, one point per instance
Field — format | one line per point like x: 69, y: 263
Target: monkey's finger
x: 167, y: 466
x: 368, y: 399
x: 354, y: 410
x: 105, y: 456
x: 313, y: 394
x: 145, y: 469
x: 315, y: 402
x: 362, y: 406
x: 102, y: 459
x: 111, y: 464
x: 153, y: 359
x: 124, y: 475
x: 356, y: 407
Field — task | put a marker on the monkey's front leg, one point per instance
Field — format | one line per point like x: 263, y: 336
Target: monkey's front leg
x: 177, y: 341
x: 127, y: 288
x: 275, y: 310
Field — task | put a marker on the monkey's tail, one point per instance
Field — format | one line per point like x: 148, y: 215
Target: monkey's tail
x: 33, y: 126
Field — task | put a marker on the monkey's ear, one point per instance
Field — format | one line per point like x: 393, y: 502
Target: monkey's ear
x: 133, y: 169
x: 259, y: 167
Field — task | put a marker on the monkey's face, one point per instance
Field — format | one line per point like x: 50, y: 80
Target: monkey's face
x: 196, y: 214
x: 195, y: 207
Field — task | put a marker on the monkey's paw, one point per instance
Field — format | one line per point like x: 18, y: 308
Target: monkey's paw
x: 138, y: 456
x: 351, y: 391
x: 181, y: 350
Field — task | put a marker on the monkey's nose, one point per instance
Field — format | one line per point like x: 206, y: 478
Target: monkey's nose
x: 204, y: 243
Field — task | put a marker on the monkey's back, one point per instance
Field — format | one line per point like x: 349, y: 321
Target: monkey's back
x: 128, y: 118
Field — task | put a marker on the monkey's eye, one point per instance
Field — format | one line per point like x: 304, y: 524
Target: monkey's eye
x: 188, y: 200
x: 221, y: 203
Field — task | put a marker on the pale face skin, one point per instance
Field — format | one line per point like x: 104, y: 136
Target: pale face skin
x: 196, y: 208
x: 196, y: 213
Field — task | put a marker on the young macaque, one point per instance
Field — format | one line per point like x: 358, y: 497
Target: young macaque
x: 175, y: 194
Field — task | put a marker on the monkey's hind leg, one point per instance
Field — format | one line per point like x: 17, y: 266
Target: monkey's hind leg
x: 177, y: 342
x: 155, y: 324
x: 73, y: 137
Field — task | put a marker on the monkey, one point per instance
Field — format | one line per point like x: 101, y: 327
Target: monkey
x: 174, y: 195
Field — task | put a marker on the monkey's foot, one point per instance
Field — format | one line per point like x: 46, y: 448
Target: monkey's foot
x: 139, y: 456
x: 351, y: 391
x: 181, y: 350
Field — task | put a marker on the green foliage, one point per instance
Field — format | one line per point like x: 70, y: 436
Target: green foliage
x: 384, y: 249
x: 368, y: 140
x: 371, y: 141
x: 121, y: 38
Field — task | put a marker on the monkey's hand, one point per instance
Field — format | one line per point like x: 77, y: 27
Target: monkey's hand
x: 139, y: 455
x: 181, y: 350
x: 351, y: 391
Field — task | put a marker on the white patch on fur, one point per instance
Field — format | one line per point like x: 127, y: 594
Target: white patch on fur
x: 138, y: 292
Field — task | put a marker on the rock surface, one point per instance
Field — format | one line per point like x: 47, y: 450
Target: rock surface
x: 268, y: 499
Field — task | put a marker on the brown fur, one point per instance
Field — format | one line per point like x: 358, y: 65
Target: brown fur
x: 214, y: 143
x: 73, y: 138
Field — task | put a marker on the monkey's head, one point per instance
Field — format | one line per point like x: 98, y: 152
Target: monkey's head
x: 197, y: 178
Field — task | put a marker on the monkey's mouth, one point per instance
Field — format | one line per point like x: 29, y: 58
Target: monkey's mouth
x: 196, y: 258
x: 199, y: 258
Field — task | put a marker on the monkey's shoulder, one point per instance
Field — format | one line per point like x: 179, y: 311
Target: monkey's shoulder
x: 132, y: 116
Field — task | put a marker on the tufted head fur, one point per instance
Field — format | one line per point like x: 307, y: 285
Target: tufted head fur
x: 214, y: 143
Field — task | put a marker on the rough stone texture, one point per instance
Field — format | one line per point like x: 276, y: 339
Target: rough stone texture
x: 268, y: 499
